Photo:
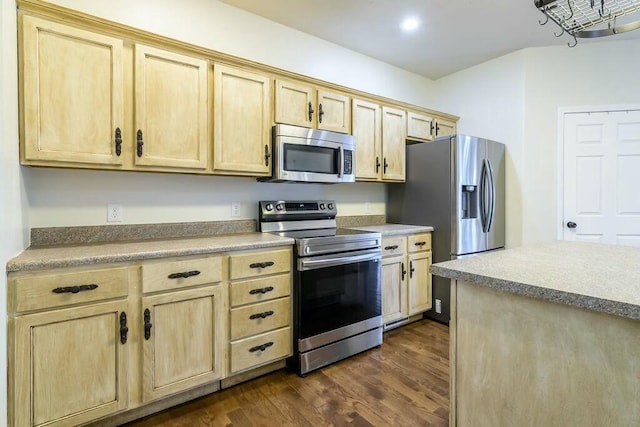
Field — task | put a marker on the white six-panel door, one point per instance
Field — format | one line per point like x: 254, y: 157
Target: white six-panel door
x: 602, y: 177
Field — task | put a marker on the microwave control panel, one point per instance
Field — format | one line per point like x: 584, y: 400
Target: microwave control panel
x: 348, y: 162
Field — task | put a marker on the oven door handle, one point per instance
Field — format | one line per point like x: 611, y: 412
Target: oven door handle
x: 315, y: 263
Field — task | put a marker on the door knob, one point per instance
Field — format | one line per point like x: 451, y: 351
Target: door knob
x: 572, y: 224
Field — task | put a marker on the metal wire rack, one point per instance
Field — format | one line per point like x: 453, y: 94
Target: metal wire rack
x: 589, y: 18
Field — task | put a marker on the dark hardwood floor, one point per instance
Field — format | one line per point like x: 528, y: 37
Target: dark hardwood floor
x: 405, y: 382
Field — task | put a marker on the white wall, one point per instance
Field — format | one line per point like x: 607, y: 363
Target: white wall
x: 13, y: 207
x: 79, y: 197
x: 515, y: 99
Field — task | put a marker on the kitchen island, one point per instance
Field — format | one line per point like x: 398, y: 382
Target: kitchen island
x: 545, y: 335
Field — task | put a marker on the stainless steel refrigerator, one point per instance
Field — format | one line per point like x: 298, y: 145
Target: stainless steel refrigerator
x: 457, y: 185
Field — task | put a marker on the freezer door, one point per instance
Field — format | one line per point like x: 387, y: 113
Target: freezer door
x: 495, y: 159
x: 467, y: 215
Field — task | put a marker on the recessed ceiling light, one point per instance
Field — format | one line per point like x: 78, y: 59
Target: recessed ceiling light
x: 410, y: 24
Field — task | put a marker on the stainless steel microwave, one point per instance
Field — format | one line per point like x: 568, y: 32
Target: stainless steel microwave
x: 309, y: 155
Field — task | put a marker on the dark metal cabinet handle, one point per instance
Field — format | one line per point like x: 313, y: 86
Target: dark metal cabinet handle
x: 183, y: 275
x: 261, y: 315
x: 404, y: 271
x: 431, y: 128
x: 124, y: 330
x: 310, y: 112
x: 139, y: 143
x: 267, y: 155
x: 377, y: 164
x: 572, y: 225
x: 261, y: 290
x: 118, y: 142
x: 391, y: 248
x: 261, y: 264
x: 147, y: 324
x: 74, y: 289
x: 320, y: 113
x: 411, y: 269
x: 261, y: 347
x: 437, y: 129
x: 420, y: 243
x: 385, y: 165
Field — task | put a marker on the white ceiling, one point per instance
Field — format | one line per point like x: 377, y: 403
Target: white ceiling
x: 454, y: 34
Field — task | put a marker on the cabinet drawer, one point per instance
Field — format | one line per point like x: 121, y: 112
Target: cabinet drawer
x: 258, y: 290
x: 394, y: 246
x: 259, y: 263
x: 258, y: 318
x: 419, y: 242
x: 55, y: 289
x: 180, y: 273
x: 260, y: 349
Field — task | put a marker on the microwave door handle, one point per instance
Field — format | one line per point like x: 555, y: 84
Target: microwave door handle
x: 341, y: 163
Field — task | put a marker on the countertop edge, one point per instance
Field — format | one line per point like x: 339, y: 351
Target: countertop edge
x: 617, y: 308
x: 396, y: 230
x: 15, y: 265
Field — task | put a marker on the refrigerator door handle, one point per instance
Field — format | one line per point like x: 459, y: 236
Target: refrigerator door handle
x: 483, y: 195
x: 492, y: 189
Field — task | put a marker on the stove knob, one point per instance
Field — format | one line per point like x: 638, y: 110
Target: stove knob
x: 322, y: 206
x: 269, y: 207
x: 279, y: 206
x: 330, y: 206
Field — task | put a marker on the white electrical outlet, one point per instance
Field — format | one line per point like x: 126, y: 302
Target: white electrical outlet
x: 235, y: 209
x: 114, y: 212
x: 438, y: 306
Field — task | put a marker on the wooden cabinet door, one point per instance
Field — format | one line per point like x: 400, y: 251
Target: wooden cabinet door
x: 295, y: 104
x: 72, y: 95
x: 393, y: 144
x: 394, y: 289
x: 241, y: 122
x: 419, y: 282
x: 444, y: 127
x: 334, y: 112
x: 170, y: 109
x: 185, y: 343
x: 69, y: 366
x: 367, y: 131
x: 419, y: 127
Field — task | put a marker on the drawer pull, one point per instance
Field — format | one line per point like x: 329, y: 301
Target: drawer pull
x: 261, y: 290
x: 184, y: 274
x: 261, y: 264
x: 261, y: 315
x: 74, y: 289
x: 261, y: 347
x: 420, y: 243
x: 147, y: 324
x: 123, y: 327
x: 391, y: 248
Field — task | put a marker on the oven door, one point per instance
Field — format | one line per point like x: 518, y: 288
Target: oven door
x: 337, y: 296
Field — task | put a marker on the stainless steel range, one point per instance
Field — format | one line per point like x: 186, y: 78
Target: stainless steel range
x: 336, y: 288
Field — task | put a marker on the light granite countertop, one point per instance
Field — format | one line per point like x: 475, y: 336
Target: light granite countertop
x: 45, y: 257
x: 593, y: 276
x: 395, y: 229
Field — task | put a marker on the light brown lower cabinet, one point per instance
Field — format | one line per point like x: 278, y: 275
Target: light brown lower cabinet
x: 406, y: 281
x: 87, y: 343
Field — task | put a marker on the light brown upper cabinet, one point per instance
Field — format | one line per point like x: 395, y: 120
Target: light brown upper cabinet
x: 380, y: 142
x: 367, y: 131
x: 393, y: 144
x: 241, y: 122
x: 72, y: 95
x: 419, y: 127
x: 301, y: 104
x: 170, y: 109
x: 444, y: 127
